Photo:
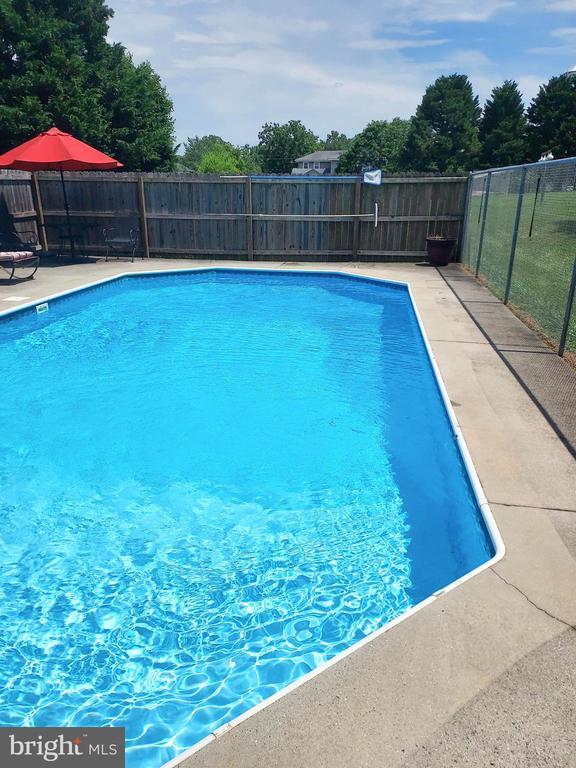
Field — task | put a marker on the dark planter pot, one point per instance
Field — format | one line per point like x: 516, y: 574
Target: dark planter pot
x: 439, y: 250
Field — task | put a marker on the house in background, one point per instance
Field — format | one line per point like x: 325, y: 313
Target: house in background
x: 318, y: 163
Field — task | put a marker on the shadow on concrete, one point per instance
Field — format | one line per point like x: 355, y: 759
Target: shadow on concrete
x: 54, y: 260
x: 548, y: 379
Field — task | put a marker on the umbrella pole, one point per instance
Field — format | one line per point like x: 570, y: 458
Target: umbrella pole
x: 69, y: 225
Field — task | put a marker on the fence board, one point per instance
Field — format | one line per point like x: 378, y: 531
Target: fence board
x: 17, y: 212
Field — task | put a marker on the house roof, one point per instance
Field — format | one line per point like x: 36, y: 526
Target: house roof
x: 324, y: 155
x: 306, y: 172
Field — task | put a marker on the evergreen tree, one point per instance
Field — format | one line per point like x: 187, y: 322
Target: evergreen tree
x: 552, y: 118
x: 503, y: 128
x: 57, y: 68
x: 46, y: 53
x: 139, y: 114
x: 379, y: 145
x: 280, y: 145
x: 443, y: 134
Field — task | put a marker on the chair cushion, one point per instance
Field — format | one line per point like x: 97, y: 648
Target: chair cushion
x: 16, y: 255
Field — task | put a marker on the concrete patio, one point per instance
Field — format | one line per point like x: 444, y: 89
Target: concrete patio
x: 486, y: 675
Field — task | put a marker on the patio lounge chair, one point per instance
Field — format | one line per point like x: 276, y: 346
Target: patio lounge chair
x: 19, y: 252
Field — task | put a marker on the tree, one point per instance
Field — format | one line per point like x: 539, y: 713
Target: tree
x: 141, y: 129
x: 57, y: 68
x: 379, y: 145
x: 45, y: 55
x: 503, y: 128
x: 220, y: 160
x: 336, y: 140
x: 223, y: 157
x: 197, y: 147
x: 249, y: 158
x: 443, y: 134
x: 280, y: 145
x: 552, y: 118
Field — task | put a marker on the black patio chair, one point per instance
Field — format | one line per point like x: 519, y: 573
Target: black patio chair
x: 117, y: 245
x: 19, y: 251
x: 73, y: 239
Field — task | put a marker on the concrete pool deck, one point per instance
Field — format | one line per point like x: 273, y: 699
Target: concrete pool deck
x: 484, y: 676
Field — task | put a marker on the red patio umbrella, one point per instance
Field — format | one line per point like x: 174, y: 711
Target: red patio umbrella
x: 58, y: 151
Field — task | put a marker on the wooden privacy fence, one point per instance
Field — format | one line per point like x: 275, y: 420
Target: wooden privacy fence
x: 264, y: 218
x: 17, y: 210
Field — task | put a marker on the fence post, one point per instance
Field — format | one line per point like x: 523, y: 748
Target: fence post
x: 568, y: 313
x: 40, y: 210
x: 356, y: 222
x: 143, y: 218
x: 515, y: 234
x: 249, y: 220
x: 482, y: 228
x: 464, y: 230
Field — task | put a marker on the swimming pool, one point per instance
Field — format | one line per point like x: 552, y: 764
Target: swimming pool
x: 212, y: 483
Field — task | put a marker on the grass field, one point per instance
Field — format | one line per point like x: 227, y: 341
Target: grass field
x: 544, y: 257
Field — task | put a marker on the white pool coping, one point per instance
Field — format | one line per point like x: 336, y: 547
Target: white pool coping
x: 485, y: 511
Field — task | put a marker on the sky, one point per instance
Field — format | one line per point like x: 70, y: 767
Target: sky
x: 232, y: 65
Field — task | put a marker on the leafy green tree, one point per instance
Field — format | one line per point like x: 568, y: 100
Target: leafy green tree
x: 224, y: 157
x: 503, y: 128
x: 280, y: 145
x: 552, y: 118
x: 336, y: 140
x: 443, y: 134
x: 220, y: 160
x: 57, y: 68
x: 379, y: 145
x: 249, y: 158
x: 197, y: 147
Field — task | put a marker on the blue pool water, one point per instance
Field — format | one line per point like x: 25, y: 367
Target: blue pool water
x: 211, y: 483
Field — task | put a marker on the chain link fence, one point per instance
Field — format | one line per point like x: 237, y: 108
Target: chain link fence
x: 520, y: 239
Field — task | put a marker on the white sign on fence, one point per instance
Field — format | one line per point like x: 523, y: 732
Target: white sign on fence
x: 373, y: 177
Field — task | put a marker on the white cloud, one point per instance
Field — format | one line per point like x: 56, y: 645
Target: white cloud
x: 566, y: 45
x: 564, y: 6
x: 452, y: 10
x: 141, y: 52
x: 529, y: 86
x: 195, y: 38
x: 393, y: 44
x: 141, y: 31
x: 136, y: 23
x: 231, y: 66
x: 564, y: 32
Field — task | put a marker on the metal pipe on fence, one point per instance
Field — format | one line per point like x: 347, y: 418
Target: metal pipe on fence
x: 515, y: 234
x: 568, y: 313
x: 534, y: 206
x: 483, y: 227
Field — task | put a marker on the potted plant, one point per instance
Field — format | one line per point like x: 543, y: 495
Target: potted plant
x: 439, y: 249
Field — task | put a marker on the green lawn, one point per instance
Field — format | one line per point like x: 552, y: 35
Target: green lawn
x: 544, y: 258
